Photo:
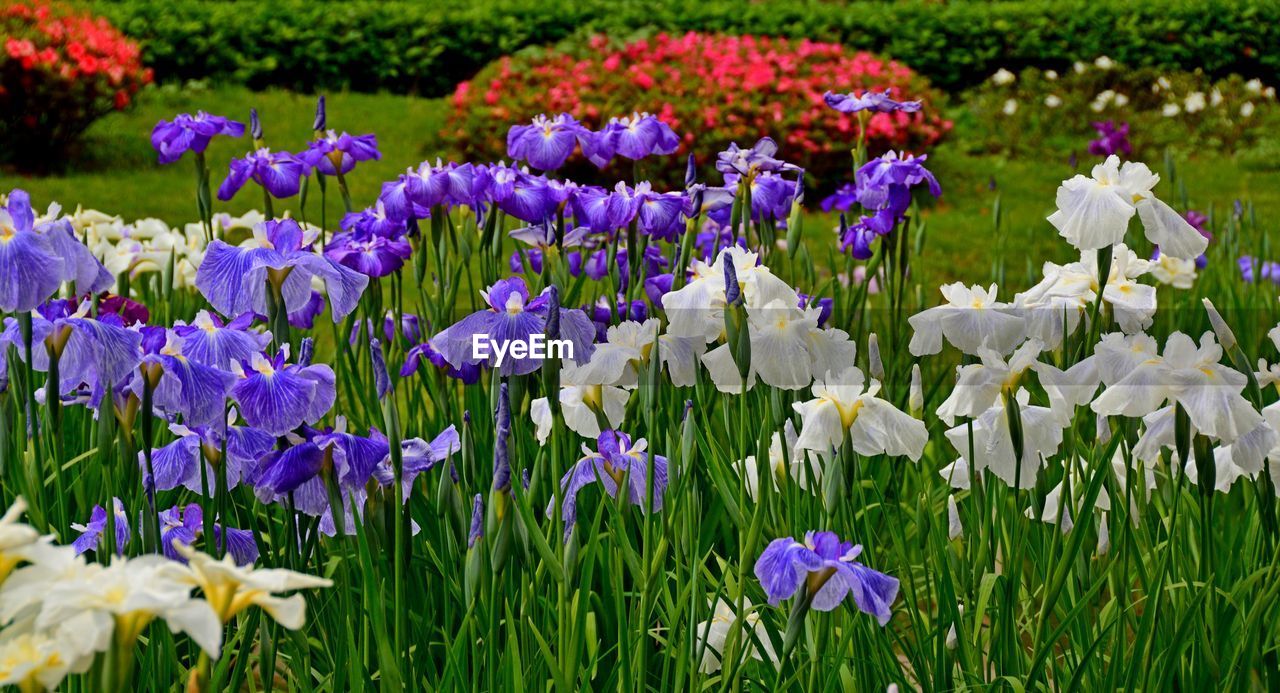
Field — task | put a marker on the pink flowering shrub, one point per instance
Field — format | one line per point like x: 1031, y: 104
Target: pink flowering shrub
x: 60, y: 69
x: 712, y: 89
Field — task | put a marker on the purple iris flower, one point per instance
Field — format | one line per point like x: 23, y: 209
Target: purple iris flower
x: 304, y: 318
x: 841, y: 200
x: 190, y: 133
x: 857, y: 239
x: 512, y: 316
x: 178, y: 463
x: 293, y: 473
x: 1112, y: 139
x: 661, y: 215
x: 410, y: 328
x: 887, y: 180
x: 279, y: 173
x: 520, y: 194
x: 466, y: 184
x: 829, y: 570
x: 760, y: 157
x: 334, y: 153
x: 91, y: 533
x: 92, y: 352
x: 876, y: 102
x: 634, y: 137
x: 771, y: 194
x: 657, y: 286
x: 234, y: 279
x: 825, y: 306
x: 532, y: 257
x: 130, y: 311
x: 209, y: 340
x: 35, y: 259
x: 716, y: 235
x: 239, y: 543
x: 278, y: 397
x: 415, y: 192
x: 1252, y: 269
x: 369, y: 254
x: 603, y: 211
x: 181, y: 385
x: 616, y: 462
x: 468, y: 373
x: 182, y: 525
x: 546, y: 142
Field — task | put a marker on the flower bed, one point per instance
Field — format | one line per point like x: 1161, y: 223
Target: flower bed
x: 714, y: 89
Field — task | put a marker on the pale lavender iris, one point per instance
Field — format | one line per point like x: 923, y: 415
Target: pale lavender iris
x: 279, y: 173
x: 760, y: 157
x: 512, y: 316
x: 617, y: 462
x: 178, y: 463
x: 35, y: 259
x: 209, y: 340
x: 93, y: 353
x: 830, y: 572
x: 278, y: 397
x: 333, y: 153
x: 190, y: 133
x: 234, y: 279
x: 546, y: 143
x: 869, y: 100
x: 181, y: 385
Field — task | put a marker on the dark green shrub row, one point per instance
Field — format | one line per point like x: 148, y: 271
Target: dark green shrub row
x: 428, y: 47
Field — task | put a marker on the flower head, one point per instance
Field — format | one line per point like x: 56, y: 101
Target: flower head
x: 869, y: 100
x: 190, y: 133
x: 830, y: 572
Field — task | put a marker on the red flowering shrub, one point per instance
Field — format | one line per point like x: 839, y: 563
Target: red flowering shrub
x: 711, y: 88
x: 60, y: 69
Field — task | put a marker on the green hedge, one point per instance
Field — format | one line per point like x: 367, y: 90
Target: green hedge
x: 427, y: 48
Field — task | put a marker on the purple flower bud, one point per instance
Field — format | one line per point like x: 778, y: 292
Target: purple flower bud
x: 477, y: 521
x: 691, y: 172
x: 501, y: 435
x: 798, y: 199
x: 380, y: 377
x: 732, y: 291
x: 306, y: 352
x: 319, y: 123
x: 255, y: 125
x: 553, y: 312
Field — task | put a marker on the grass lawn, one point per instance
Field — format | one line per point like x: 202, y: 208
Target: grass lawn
x: 116, y: 172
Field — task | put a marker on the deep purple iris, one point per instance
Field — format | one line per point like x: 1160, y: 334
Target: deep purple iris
x: 546, y: 143
x: 830, y: 572
x: 520, y: 194
x: 1112, y: 139
x: 876, y: 102
x: 602, y: 210
x: 370, y: 255
x: 279, y: 173
x: 190, y: 133
x: 334, y: 153
x: 634, y: 137
x: 616, y: 463
x: 512, y: 316
x: 661, y: 215
x: 841, y: 200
